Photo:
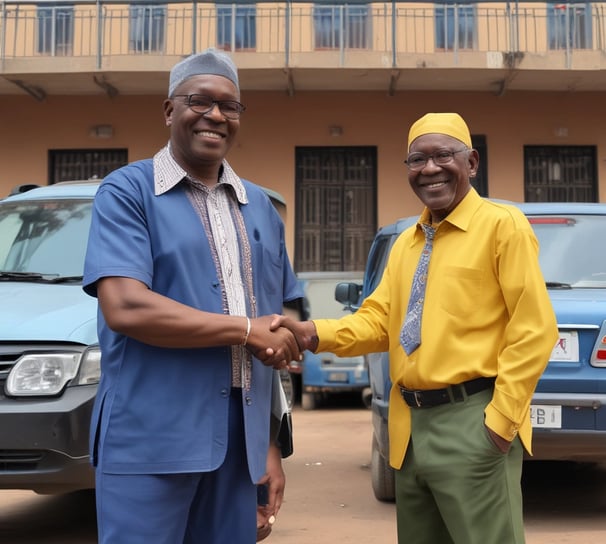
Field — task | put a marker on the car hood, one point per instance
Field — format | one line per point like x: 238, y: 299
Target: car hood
x: 580, y: 306
x: 43, y: 312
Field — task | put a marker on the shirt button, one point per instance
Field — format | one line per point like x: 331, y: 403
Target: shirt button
x: 224, y: 393
x: 248, y: 401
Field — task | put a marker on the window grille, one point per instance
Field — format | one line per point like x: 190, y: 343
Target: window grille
x: 560, y: 174
x: 335, y: 208
x: 81, y: 164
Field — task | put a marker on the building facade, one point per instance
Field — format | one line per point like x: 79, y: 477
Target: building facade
x: 330, y: 88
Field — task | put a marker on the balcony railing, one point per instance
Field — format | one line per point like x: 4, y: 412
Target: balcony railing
x: 104, y: 30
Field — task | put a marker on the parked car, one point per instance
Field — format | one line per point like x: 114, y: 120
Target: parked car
x: 568, y: 409
x: 49, y: 352
x: 324, y: 375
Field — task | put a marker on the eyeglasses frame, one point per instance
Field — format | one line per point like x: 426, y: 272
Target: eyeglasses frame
x: 431, y: 156
x: 213, y: 103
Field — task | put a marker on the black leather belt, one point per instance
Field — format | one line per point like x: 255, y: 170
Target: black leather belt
x: 453, y: 393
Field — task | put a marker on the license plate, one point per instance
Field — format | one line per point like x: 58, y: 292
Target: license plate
x: 337, y: 377
x: 544, y: 416
x: 567, y: 347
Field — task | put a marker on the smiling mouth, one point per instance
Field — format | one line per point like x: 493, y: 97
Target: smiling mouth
x: 436, y: 185
x: 208, y: 134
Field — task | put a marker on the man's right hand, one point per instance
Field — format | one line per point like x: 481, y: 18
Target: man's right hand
x: 304, y: 331
x: 273, y: 346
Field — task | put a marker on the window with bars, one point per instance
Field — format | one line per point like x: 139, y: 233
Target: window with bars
x: 55, y: 28
x: 455, y: 26
x: 335, y: 208
x: 236, y: 27
x: 341, y: 26
x: 569, y: 26
x: 560, y: 174
x: 147, y: 28
x: 81, y: 164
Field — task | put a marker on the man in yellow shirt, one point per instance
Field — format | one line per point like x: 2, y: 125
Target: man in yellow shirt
x: 459, y: 406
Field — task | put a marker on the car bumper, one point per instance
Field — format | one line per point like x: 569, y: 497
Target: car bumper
x: 326, y: 373
x: 582, y: 435
x: 337, y: 379
x: 44, y: 442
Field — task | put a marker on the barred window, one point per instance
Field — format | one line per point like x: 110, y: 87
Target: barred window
x: 560, y: 174
x: 335, y: 208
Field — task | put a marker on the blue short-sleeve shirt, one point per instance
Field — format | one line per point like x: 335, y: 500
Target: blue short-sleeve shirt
x: 161, y: 410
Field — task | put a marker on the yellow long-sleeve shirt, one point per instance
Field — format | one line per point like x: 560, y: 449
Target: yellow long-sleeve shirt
x: 486, y: 313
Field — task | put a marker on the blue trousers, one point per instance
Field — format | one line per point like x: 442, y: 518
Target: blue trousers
x: 455, y: 486
x: 216, y: 507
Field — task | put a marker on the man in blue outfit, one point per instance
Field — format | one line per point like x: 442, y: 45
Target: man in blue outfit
x: 188, y: 262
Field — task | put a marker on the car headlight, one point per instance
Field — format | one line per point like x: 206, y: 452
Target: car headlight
x: 40, y: 374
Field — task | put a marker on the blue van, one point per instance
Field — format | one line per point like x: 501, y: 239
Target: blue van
x: 568, y: 410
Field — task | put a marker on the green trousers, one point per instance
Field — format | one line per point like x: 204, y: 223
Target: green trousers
x: 456, y: 486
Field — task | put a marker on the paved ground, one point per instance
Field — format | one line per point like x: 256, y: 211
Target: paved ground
x: 329, y: 498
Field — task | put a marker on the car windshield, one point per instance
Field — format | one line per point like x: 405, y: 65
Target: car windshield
x: 571, y: 250
x: 43, y: 239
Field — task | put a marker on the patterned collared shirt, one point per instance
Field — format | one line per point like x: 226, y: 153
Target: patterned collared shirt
x: 219, y: 212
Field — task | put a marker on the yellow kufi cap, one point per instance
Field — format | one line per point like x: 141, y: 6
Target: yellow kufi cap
x: 451, y: 124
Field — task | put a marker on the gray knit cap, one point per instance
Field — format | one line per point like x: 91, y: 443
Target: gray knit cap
x: 211, y: 61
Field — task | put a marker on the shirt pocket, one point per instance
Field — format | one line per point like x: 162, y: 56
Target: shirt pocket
x: 460, y: 290
x: 270, y: 272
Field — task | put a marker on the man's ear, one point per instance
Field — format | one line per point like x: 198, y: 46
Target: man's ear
x: 474, y: 163
x: 168, y: 111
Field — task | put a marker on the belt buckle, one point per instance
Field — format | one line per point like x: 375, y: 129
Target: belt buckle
x: 417, y: 397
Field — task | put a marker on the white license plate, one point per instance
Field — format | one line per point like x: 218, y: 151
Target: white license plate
x: 545, y: 416
x: 340, y: 377
x: 567, y: 347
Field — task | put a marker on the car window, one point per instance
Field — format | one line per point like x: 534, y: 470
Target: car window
x: 377, y: 260
x: 46, y: 237
x: 571, y: 249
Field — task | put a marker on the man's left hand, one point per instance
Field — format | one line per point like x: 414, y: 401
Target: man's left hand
x: 498, y: 440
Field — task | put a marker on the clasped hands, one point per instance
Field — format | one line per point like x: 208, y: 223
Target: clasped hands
x: 276, y: 340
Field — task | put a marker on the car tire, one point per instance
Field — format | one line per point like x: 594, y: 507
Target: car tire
x: 383, y: 476
x: 309, y: 401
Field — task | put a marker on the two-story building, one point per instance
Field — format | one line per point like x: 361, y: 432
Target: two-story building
x: 330, y: 88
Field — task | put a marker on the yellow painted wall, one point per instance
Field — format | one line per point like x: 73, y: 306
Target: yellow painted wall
x: 275, y: 123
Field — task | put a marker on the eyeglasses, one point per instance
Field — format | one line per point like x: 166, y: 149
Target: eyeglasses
x: 441, y: 157
x: 201, y: 104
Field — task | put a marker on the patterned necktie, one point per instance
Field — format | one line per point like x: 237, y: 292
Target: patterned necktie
x: 410, y: 337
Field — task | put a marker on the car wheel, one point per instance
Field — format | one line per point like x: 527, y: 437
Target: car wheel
x: 383, y: 477
x: 309, y: 401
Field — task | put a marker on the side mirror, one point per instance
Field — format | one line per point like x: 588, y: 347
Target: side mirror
x: 348, y: 293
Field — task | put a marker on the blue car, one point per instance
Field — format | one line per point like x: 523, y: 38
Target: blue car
x: 324, y: 375
x: 568, y: 409
x: 49, y: 352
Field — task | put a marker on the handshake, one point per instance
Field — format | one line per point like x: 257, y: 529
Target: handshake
x: 276, y: 340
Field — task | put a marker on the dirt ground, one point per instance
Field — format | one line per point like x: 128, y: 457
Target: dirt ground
x: 329, y: 498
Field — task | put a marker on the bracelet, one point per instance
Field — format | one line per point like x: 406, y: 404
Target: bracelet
x: 245, y: 339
